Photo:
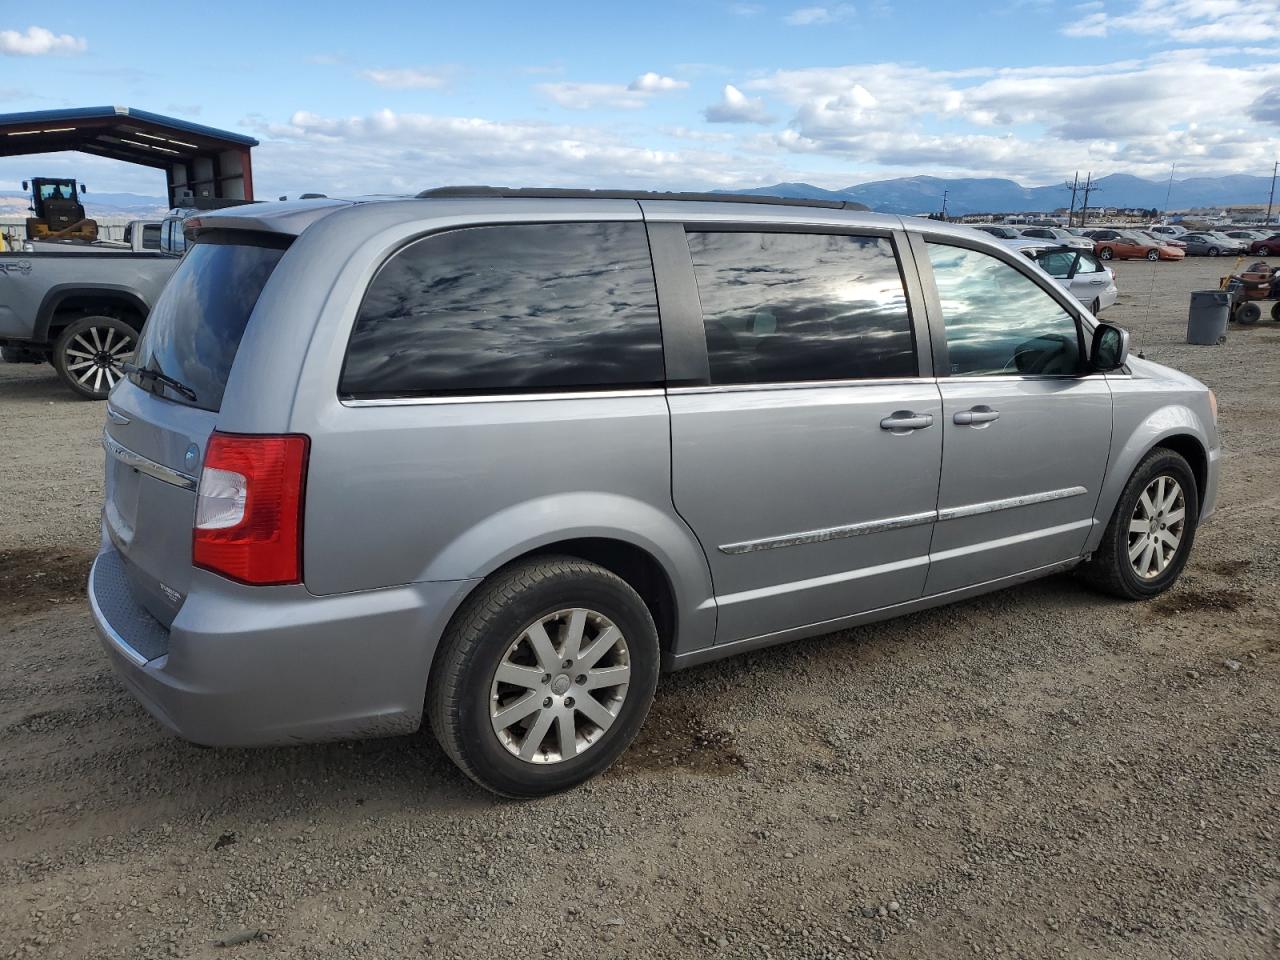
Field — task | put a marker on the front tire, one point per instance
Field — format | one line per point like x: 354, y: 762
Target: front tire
x: 1106, y: 253
x: 88, y: 354
x: 1149, y: 538
x: 544, y: 676
x: 1153, y: 255
x: 1264, y: 251
x: 1213, y: 251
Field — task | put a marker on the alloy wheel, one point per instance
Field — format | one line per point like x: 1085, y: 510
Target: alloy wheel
x: 560, y: 686
x: 93, y: 357
x: 1156, y: 527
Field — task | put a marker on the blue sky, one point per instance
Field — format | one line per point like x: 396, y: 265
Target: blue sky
x: 386, y: 97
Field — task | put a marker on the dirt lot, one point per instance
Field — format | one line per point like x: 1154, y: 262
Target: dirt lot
x: 1037, y: 773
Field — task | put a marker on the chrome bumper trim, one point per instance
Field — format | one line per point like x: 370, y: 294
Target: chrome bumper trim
x: 149, y: 467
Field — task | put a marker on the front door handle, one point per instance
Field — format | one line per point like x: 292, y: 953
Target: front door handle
x: 904, y: 421
x: 969, y: 418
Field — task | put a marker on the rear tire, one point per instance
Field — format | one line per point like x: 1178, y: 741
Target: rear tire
x: 1264, y: 251
x: 1096, y: 307
x: 1275, y: 312
x: 520, y: 624
x: 88, y: 354
x: 1113, y: 568
x: 1249, y: 313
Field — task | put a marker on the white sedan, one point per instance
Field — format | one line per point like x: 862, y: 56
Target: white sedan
x: 1083, y: 274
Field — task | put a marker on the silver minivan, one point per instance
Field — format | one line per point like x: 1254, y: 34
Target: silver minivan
x: 497, y: 458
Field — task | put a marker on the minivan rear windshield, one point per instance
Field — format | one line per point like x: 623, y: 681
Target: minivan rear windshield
x: 194, y: 332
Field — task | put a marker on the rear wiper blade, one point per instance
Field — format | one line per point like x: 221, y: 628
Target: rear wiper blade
x: 143, y: 373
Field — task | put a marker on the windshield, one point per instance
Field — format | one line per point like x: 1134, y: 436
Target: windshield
x: 194, y: 331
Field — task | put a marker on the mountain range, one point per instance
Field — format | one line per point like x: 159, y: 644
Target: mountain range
x: 908, y: 195
x: 902, y: 195
x: 13, y: 203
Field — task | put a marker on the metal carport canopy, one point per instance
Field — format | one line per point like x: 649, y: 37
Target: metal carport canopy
x: 195, y: 158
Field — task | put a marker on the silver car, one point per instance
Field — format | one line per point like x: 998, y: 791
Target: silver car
x: 1212, y: 244
x: 1080, y: 271
x: 496, y: 459
x: 1058, y: 235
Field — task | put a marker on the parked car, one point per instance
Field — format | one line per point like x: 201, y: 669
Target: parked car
x: 1211, y: 244
x: 1247, y: 236
x: 80, y: 306
x: 1058, y: 235
x: 998, y: 231
x: 1266, y: 247
x: 1080, y: 271
x: 1158, y: 240
x: 1112, y: 244
x: 1171, y: 230
x: 442, y: 460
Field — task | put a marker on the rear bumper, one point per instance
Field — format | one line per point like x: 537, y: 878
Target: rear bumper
x: 251, y: 666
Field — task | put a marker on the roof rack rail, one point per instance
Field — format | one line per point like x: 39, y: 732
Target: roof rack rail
x: 557, y: 193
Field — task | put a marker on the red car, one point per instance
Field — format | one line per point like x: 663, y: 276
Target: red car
x: 1267, y: 247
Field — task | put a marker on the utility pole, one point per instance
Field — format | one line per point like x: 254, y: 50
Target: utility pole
x: 1084, y: 207
x: 1071, y: 214
x: 1272, y: 197
x: 944, y: 203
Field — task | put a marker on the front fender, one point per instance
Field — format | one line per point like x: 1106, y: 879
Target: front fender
x: 534, y: 524
x: 1133, y: 437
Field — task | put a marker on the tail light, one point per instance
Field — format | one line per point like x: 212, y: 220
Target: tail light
x: 249, y: 508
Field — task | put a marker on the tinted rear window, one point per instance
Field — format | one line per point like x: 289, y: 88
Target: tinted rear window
x: 194, y: 330
x: 498, y: 309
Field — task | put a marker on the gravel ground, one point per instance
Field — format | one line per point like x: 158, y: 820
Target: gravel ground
x: 1041, y: 772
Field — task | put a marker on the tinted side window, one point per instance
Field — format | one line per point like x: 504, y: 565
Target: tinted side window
x: 998, y: 320
x: 781, y: 307
x: 1088, y: 264
x: 510, y: 308
x: 1058, y: 263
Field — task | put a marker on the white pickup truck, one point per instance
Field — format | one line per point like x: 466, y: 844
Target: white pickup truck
x: 80, y: 306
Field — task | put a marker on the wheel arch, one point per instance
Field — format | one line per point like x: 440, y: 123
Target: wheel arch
x: 62, y: 298
x: 655, y: 553
x: 1175, y: 428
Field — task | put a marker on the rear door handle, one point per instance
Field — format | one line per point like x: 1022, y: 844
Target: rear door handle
x: 904, y: 421
x: 967, y: 418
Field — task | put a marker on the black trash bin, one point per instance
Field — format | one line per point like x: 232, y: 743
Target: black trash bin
x: 1207, y: 321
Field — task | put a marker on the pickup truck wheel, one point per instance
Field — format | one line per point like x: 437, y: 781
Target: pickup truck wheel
x: 88, y: 354
x: 544, y: 676
x: 1148, y: 540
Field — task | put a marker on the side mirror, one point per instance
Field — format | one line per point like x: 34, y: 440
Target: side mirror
x: 83, y: 188
x: 26, y: 184
x: 1110, y: 348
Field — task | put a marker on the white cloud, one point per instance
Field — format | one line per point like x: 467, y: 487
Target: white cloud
x: 38, y: 42
x: 1135, y: 116
x: 746, y: 9
x: 410, y: 78
x: 631, y: 96
x: 736, y: 107
x: 813, y: 16
x: 1183, y: 21
x: 407, y: 152
x: 655, y: 83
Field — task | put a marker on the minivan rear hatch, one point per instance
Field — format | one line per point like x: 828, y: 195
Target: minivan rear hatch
x: 159, y: 419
